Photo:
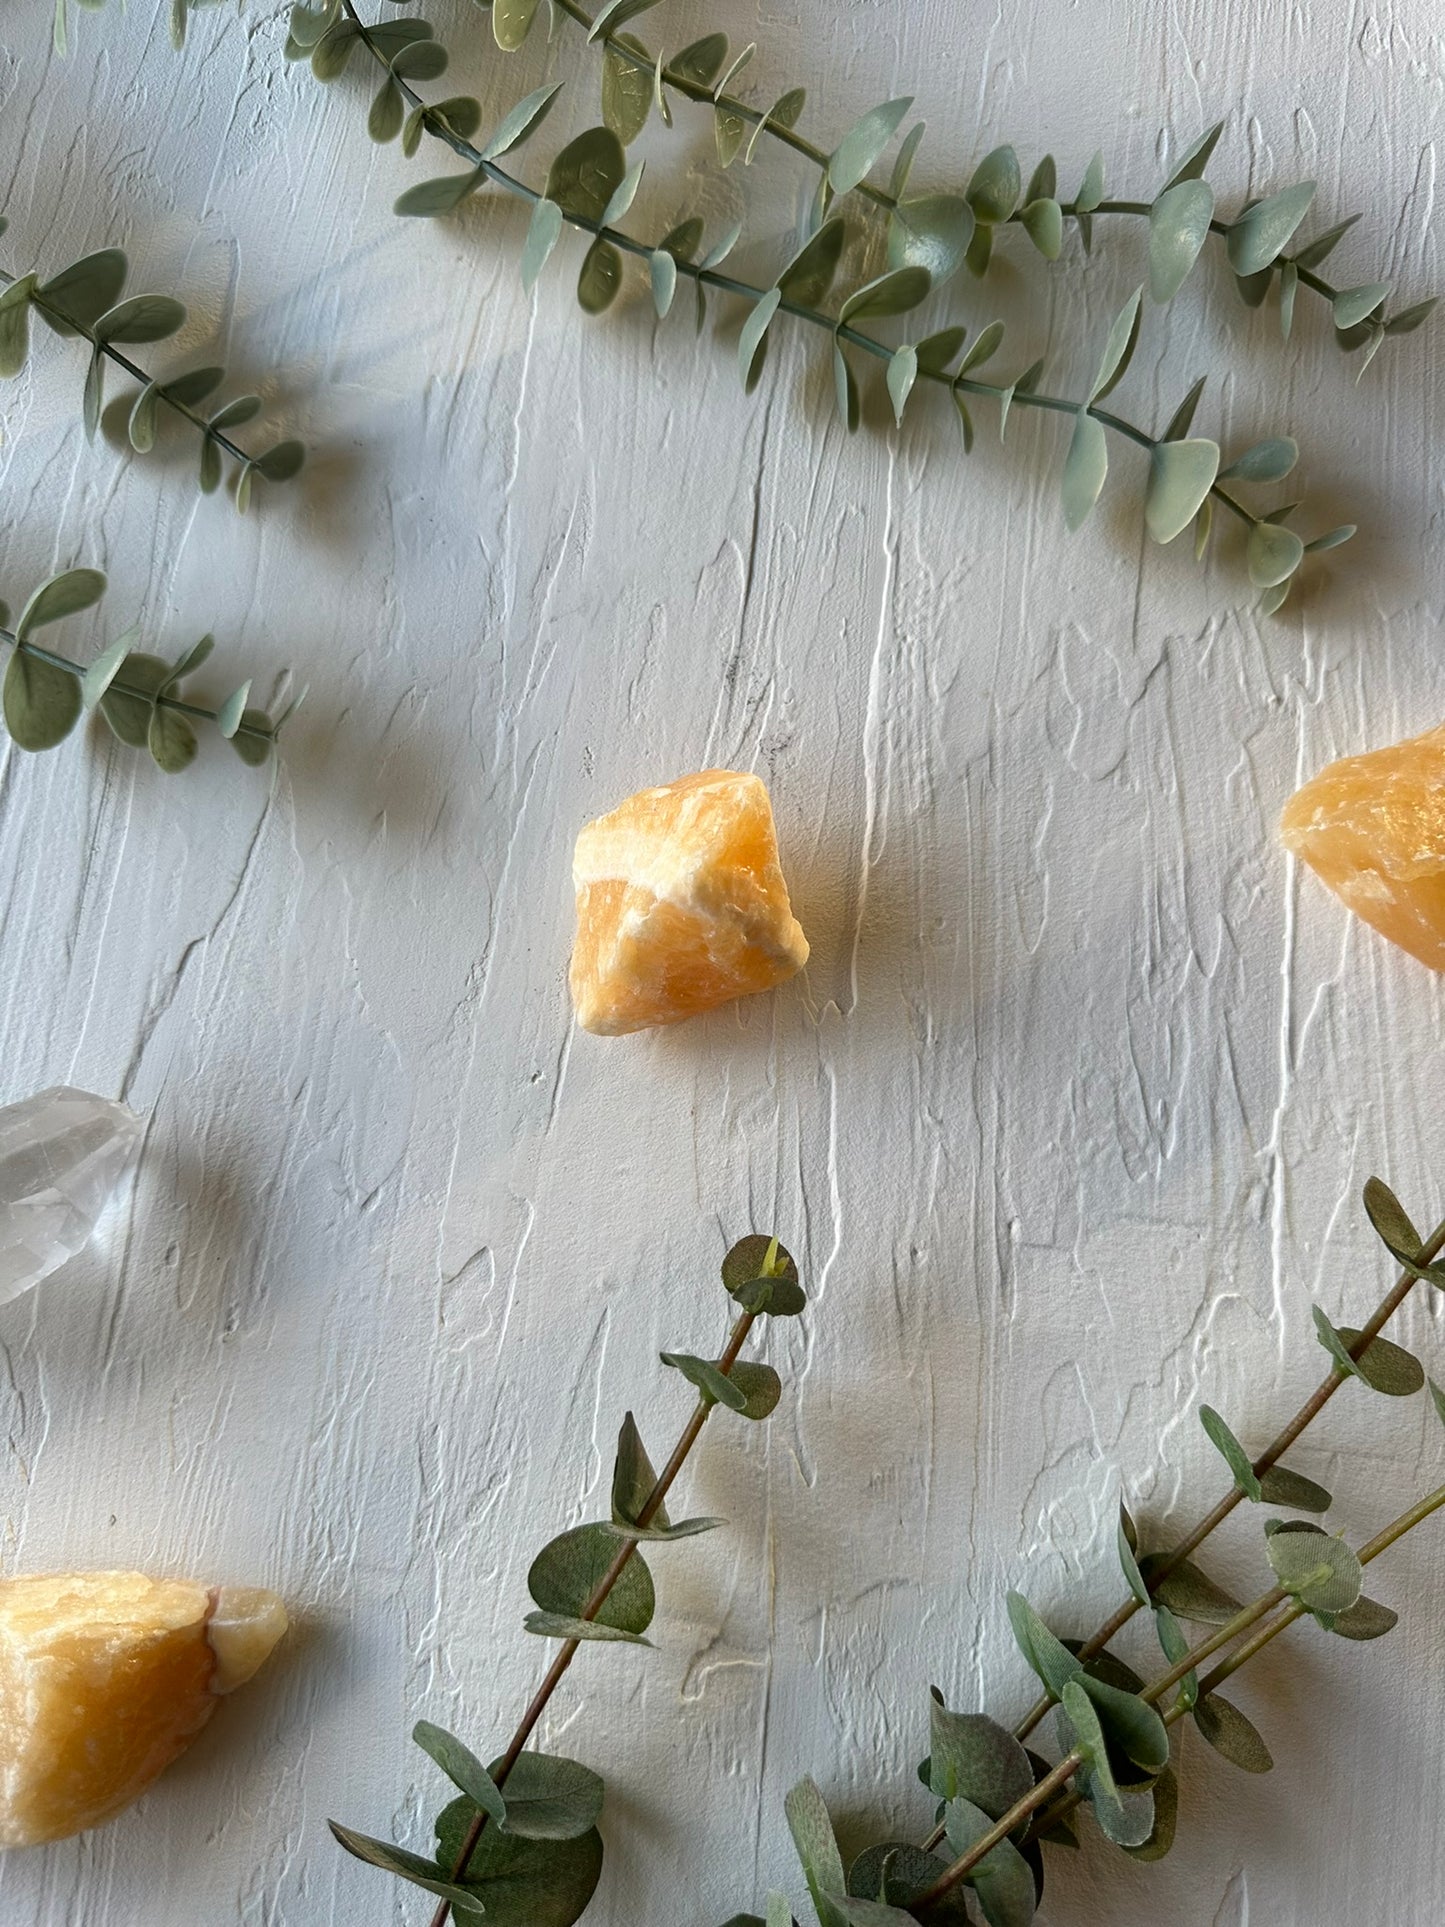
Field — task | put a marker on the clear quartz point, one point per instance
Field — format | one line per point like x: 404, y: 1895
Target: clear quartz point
x: 62, y: 1154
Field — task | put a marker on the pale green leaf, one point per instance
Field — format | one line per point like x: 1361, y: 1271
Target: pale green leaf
x: 1181, y: 474
x: 932, y: 232
x: 1255, y: 240
x: 996, y: 187
x: 543, y: 233
x: 861, y: 146
x: 1274, y: 554
x: 1178, y: 226
x: 1085, y: 467
x: 524, y: 119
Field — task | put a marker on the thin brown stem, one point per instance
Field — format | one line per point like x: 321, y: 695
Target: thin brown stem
x: 1273, y: 1452
x: 647, y: 1512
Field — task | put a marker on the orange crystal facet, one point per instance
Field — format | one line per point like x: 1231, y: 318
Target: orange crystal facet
x: 1373, y: 827
x: 681, y: 904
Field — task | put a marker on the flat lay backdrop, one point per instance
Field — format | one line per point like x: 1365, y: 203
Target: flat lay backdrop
x: 1066, y: 1121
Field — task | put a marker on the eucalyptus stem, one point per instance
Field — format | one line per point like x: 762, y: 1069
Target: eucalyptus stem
x: 67, y: 323
x: 751, y: 292
x: 555, y: 1672
x: 1273, y: 1452
x: 118, y: 686
x: 1033, y: 1801
x: 1248, y: 1648
x: 638, y: 57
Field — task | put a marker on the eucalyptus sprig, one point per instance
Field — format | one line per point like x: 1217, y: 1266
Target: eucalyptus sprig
x: 138, y: 694
x: 954, y: 228
x: 519, y: 1845
x: 86, y: 299
x: 590, y: 187
x: 1000, y: 1802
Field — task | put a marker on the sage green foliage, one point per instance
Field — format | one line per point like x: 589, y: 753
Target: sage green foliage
x: 87, y: 301
x: 520, y: 1844
x: 929, y: 237
x: 139, y: 695
x: 1112, y: 1727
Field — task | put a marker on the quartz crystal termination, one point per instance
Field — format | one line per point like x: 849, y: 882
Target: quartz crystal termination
x: 62, y: 1154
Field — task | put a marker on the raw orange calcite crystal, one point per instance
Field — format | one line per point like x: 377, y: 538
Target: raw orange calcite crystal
x: 1373, y: 827
x: 105, y: 1677
x: 681, y: 904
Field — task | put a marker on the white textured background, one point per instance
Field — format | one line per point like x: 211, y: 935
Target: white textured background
x: 1067, y: 1120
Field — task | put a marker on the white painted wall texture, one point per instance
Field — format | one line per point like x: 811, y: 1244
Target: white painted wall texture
x: 1067, y: 1119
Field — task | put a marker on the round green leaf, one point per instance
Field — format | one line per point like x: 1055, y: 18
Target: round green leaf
x: 281, y: 463
x: 60, y: 596
x: 861, y: 146
x: 462, y: 1768
x: 761, y: 1389
x: 15, y: 325
x: 516, y: 1882
x: 1085, y: 467
x: 1002, y: 1880
x: 170, y: 740
x: 551, y: 1798
x: 1366, y: 1619
x: 567, y: 1626
x: 809, y: 275
x: 714, y: 1386
x: 1322, y: 1572
x: 1280, y: 1486
x: 1227, y: 1730
x: 388, y: 112
x: 753, y: 338
x: 429, y: 1875
x: 82, y: 292
x: 443, y: 195
x: 892, y: 293
x: 1257, y: 237
x: 1188, y: 1591
x: 626, y: 95
x: 41, y: 703
x: 1266, y: 461
x: 1178, y: 227
x: 127, y: 707
x: 565, y: 1574
x: 1047, y: 1655
x: 1197, y: 158
x: 932, y: 232
x: 512, y: 22
x: 1166, y: 1817
x: 996, y: 188
x: 145, y: 317
x: 600, y: 278
x: 972, y: 1757
x: 1274, y: 554
x: 905, y: 1870
x: 1119, y: 348
x: 902, y: 373
x: 586, y: 173
x: 1385, y: 1367
x: 1181, y: 474
x: 1351, y: 306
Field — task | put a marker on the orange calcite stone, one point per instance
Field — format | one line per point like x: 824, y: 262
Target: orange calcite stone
x: 681, y: 905
x: 105, y: 1677
x: 1374, y: 828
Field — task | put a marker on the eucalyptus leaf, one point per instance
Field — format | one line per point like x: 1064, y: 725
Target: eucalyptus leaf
x: 1233, y: 1453
x: 523, y: 120
x: 94, y: 394
x: 1002, y: 1880
x: 1175, y: 1647
x: 809, y: 275
x: 845, y: 385
x: 244, y: 408
x: 1043, y: 222
x: 60, y: 596
x: 1409, y: 319
x: 936, y: 351
x: 1279, y: 1486
x: 1043, y: 182
x: 586, y: 173
x: 1165, y: 1791
x: 633, y: 1478
x: 702, y: 60
x: 141, y: 426
x: 103, y: 671
x: 972, y: 1757
x: 1118, y: 348
x: 760, y: 1386
x: 817, y: 1848
x: 41, y: 703
x: 1129, y: 1722
x: 1274, y: 554
x: 568, y: 1626
x: 566, y: 1572
x: 720, y: 250
x: 193, y: 386
x: 442, y: 195
x: 600, y: 277
x: 232, y: 710
x: 388, y: 112
x: 514, y: 1881
x: 896, y: 1871
x: 902, y: 373
x: 1091, y: 189
x: 713, y: 1386
x: 626, y: 94
x: 626, y: 194
x: 76, y: 297
x: 1228, y: 1731
x: 1366, y: 1619
x: 420, y: 60
x: 15, y: 325
x: 512, y: 22
x: 615, y: 14
x: 965, y: 420
x: 1182, y: 420
x: 253, y: 740
x: 662, y: 271
x: 1314, y: 252
x: 427, y: 1874
x: 1047, y: 1655
x: 1288, y: 292
x: 543, y: 232
x: 996, y: 187
x: 932, y: 232
x: 903, y: 162
x: 1085, y: 467
x: 170, y: 740
x: 892, y: 293
x: 1128, y: 1563
x: 861, y: 146
x: 980, y: 251
x: 1192, y: 166
x: 1351, y: 306
x: 985, y: 346
x: 128, y: 710
x: 1188, y: 1591
x: 1080, y: 1731
x: 1321, y: 1572
x: 1181, y: 475
x: 463, y: 1769
x: 1256, y: 239
x: 1178, y: 228
x: 1392, y: 1226
x: 1384, y: 1366
x: 550, y: 1798
x: 1266, y: 461
x: 1254, y: 287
